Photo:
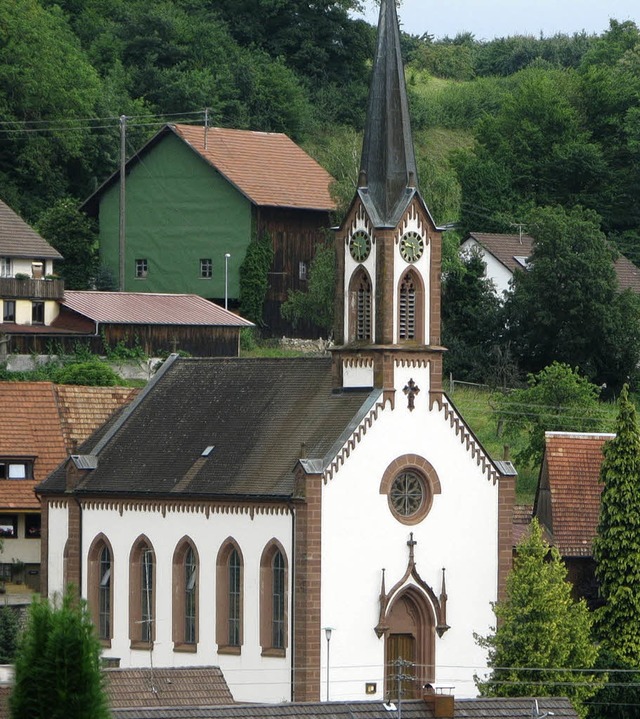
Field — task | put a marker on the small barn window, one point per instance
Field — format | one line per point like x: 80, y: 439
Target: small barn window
x: 302, y: 271
x: 142, y: 269
x: 206, y: 269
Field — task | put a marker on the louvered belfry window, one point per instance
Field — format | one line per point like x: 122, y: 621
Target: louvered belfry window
x: 407, y: 307
x: 363, y: 309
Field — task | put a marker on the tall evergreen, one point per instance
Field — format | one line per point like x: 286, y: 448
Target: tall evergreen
x: 616, y: 548
x: 57, y: 667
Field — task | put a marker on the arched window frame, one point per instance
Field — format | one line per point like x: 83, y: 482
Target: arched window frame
x: 100, y: 587
x: 410, y: 315
x: 142, y: 594
x: 229, y: 599
x: 360, y: 306
x: 274, y: 600
x: 186, y: 587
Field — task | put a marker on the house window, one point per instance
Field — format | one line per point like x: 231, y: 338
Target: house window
x: 100, y: 587
x: 5, y: 267
x: 32, y: 524
x: 185, y: 597
x: 302, y: 271
x: 142, y: 269
x: 37, y: 313
x: 9, y: 526
x: 206, y: 269
x: 273, y: 601
x: 16, y: 469
x: 9, y: 311
x: 142, y: 577
x: 229, y: 598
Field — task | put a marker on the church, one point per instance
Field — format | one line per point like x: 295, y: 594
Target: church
x: 320, y: 529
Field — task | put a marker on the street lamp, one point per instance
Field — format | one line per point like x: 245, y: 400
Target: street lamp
x: 226, y: 280
x: 327, y: 633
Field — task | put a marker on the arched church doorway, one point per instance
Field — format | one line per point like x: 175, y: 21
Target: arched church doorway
x: 409, y: 646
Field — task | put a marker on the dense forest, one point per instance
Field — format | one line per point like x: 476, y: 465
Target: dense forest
x: 503, y: 128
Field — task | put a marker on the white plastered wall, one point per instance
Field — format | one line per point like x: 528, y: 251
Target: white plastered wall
x: 360, y: 537
x: 57, y: 537
x: 495, y: 270
x: 250, y: 676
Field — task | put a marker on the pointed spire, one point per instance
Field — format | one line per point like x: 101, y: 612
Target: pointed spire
x: 388, y: 172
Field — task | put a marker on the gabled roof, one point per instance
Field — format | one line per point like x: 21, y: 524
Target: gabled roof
x: 256, y: 418
x: 268, y: 168
x: 150, y: 309
x: 568, y: 496
x: 498, y: 708
x: 166, y: 687
x: 512, y: 250
x: 18, y: 239
x: 42, y: 421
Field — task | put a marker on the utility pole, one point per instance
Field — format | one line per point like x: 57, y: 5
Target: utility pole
x: 122, y: 211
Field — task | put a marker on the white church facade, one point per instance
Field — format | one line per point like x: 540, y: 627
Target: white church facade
x: 239, y: 508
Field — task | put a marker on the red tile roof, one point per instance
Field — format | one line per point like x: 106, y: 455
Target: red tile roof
x: 571, y: 479
x: 42, y: 421
x: 522, y: 514
x: 18, y: 239
x: 268, y: 167
x: 171, y: 687
x: 150, y: 309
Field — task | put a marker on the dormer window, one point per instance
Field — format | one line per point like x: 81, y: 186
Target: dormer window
x: 16, y: 469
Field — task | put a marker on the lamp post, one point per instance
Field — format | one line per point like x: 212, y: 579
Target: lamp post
x: 226, y: 280
x: 327, y: 632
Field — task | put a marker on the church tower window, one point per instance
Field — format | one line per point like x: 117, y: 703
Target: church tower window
x: 410, y: 312
x: 360, y: 301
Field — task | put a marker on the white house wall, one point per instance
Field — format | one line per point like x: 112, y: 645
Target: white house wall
x: 495, y: 270
x: 250, y: 676
x: 360, y: 537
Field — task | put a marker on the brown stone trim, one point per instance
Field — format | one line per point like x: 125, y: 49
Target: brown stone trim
x: 74, y: 547
x: 178, y: 604
x: 423, y: 468
x: 266, y: 600
x: 307, y: 590
x: 136, y: 644
x: 141, y: 544
x: 44, y: 547
x: 93, y: 584
x: 189, y: 506
x: 506, y: 502
x: 222, y: 597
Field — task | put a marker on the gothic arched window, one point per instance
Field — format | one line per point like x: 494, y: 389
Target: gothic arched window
x: 229, y: 598
x: 273, y: 600
x: 360, y: 307
x: 410, y: 308
x: 185, y: 597
x: 100, y: 594
x: 142, y: 577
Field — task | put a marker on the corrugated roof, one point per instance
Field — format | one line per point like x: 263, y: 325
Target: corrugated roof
x: 150, y: 309
x: 41, y: 421
x: 18, y: 239
x: 268, y: 167
x: 498, y: 708
x: 164, y: 687
x: 572, y: 472
x: 256, y: 414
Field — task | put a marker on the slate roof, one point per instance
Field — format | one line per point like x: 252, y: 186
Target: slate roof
x: 42, y: 421
x: 259, y: 416
x: 150, y: 309
x: 18, y: 239
x: 268, y: 168
x: 568, y: 495
x: 502, y: 708
x: 505, y: 248
x: 174, y: 687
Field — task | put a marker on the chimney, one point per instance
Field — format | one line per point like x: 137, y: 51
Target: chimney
x: 442, y: 705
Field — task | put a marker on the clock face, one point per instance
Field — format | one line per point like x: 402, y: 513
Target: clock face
x: 360, y: 246
x: 411, y: 246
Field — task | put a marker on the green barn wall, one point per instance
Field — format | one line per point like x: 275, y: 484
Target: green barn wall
x: 179, y: 210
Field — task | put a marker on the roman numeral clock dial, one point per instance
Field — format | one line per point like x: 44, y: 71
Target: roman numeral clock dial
x: 411, y: 246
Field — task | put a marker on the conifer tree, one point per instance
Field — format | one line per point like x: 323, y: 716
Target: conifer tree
x: 543, y: 633
x: 616, y: 548
x: 57, y: 669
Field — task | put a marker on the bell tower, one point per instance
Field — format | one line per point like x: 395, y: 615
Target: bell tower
x: 388, y: 246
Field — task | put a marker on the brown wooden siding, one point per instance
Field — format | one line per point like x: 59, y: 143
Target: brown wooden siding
x: 295, y: 235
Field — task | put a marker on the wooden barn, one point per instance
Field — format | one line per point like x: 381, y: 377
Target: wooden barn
x: 195, y: 195
x: 157, y: 323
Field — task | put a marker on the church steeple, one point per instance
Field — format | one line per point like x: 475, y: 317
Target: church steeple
x: 388, y: 173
